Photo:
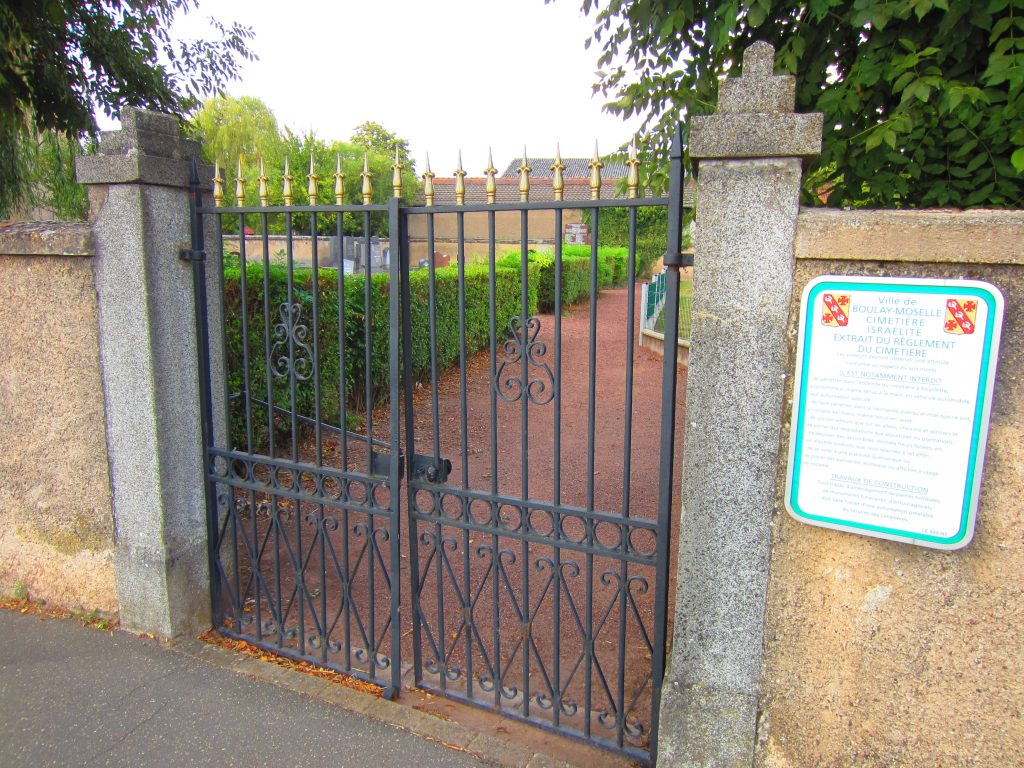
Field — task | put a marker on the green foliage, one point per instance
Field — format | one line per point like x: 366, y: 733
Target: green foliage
x: 375, y: 138
x: 60, y: 59
x: 43, y: 167
x: 229, y: 128
x: 923, y: 99
x: 275, y: 285
x: 651, y: 233
x: 611, y: 272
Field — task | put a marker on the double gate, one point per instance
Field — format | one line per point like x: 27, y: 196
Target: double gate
x: 418, y: 476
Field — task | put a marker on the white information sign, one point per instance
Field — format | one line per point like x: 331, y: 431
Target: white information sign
x: 891, y: 406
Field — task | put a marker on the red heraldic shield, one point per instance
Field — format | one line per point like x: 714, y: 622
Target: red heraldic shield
x: 835, y: 310
x: 960, y: 315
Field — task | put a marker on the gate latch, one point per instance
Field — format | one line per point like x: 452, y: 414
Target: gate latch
x: 431, y: 470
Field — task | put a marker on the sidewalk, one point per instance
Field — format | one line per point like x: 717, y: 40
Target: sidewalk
x: 74, y: 696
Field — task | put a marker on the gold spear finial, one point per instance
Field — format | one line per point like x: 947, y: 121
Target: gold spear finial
x: 339, y: 183
x: 286, y: 189
x: 218, y: 185
x: 313, y: 179
x: 595, y: 166
x: 366, y: 176
x: 460, y: 183
x: 489, y: 171
x: 239, y: 185
x: 524, y: 179
x: 396, y: 175
x: 557, y: 182
x: 428, y: 183
x: 633, y: 175
x: 264, y: 189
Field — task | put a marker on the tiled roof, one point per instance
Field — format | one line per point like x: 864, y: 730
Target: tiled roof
x: 575, y: 168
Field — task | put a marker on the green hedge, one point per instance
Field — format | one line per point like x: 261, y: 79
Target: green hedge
x: 507, y: 305
x: 611, y: 272
x: 651, y: 233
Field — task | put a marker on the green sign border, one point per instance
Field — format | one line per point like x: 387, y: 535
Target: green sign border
x: 993, y: 299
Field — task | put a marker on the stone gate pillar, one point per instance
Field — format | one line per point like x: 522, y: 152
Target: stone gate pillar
x: 139, y: 215
x: 749, y: 174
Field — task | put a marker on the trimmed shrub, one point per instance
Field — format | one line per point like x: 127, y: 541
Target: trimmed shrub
x: 271, y: 333
x: 611, y: 272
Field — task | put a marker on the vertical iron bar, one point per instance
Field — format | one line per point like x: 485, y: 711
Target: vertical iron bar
x: 205, y: 384
x: 232, y: 507
x: 264, y: 237
x: 626, y: 472
x: 292, y: 317
x: 317, y: 429
x: 395, y: 258
x: 524, y: 446
x: 271, y: 446
x: 410, y: 447
x: 342, y: 370
x: 432, y: 307
x: 442, y: 662
x: 243, y: 280
x: 346, y: 595
x: 493, y: 338
x: 464, y: 430
x: 368, y: 359
x: 368, y: 366
x: 492, y: 329
x: 591, y: 403
x: 318, y: 437
x: 218, y: 249
x: 556, y: 472
x: 266, y: 336
x: 243, y: 298
x: 668, y: 428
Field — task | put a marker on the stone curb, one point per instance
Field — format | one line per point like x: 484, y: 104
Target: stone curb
x: 491, y: 749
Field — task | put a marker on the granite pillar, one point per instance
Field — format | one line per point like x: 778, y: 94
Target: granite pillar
x: 749, y: 176
x: 139, y: 215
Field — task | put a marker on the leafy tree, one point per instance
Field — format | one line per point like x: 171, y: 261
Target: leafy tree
x: 923, y: 99
x: 230, y: 127
x: 376, y: 138
x: 62, y: 59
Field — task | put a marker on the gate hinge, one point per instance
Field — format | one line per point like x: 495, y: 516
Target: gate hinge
x: 187, y: 254
x: 678, y: 259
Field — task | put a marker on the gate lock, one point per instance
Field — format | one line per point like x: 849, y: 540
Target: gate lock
x: 427, y: 468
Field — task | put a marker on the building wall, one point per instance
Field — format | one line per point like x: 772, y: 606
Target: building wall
x: 885, y: 654
x: 56, y: 524
x: 507, y: 231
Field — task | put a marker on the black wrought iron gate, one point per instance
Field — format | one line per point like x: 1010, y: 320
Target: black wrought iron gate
x: 334, y: 402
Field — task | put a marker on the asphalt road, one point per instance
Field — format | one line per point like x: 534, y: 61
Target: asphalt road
x: 74, y: 696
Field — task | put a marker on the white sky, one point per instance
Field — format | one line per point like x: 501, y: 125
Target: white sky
x: 446, y: 75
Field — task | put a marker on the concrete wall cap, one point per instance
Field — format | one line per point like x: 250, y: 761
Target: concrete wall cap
x: 932, y: 235
x: 756, y: 135
x: 46, y: 238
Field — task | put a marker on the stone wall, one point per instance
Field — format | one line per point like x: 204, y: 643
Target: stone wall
x: 56, y: 525
x: 885, y: 654
x: 507, y: 230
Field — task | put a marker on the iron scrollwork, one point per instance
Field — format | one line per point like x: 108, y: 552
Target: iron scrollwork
x: 297, y: 356
x: 523, y: 341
